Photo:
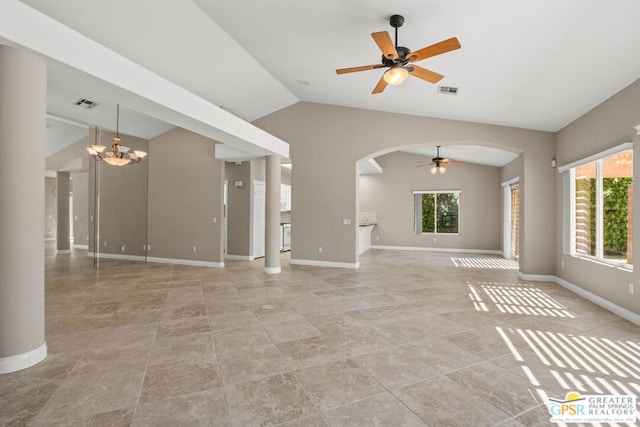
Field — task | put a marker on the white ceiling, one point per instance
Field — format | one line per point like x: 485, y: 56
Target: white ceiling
x: 536, y: 64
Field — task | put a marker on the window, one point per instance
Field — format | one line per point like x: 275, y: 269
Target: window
x: 437, y: 211
x: 600, y: 198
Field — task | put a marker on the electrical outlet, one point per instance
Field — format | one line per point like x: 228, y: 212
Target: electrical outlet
x: 215, y: 220
x: 320, y: 249
x: 144, y: 247
x: 123, y: 248
x: 346, y: 221
x: 105, y: 243
x: 631, y: 289
x: 195, y: 249
x: 562, y: 263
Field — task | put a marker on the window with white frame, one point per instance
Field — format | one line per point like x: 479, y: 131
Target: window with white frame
x: 598, y: 200
x: 437, y: 211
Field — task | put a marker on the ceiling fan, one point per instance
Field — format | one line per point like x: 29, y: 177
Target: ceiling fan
x: 400, y: 60
x: 439, y: 163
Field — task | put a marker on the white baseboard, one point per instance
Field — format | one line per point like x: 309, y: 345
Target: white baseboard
x: 50, y: 239
x: 63, y: 251
x: 537, y: 277
x: 82, y: 247
x: 118, y: 256
x: 24, y: 360
x: 316, y: 263
x: 272, y: 270
x: 428, y: 249
x: 598, y: 300
x: 604, y: 303
x: 239, y: 257
x: 190, y: 262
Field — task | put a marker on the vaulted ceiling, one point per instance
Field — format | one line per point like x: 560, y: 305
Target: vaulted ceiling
x: 536, y: 64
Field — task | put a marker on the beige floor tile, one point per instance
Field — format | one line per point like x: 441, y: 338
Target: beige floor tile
x: 290, y: 330
x: 399, y: 324
x: 117, y: 418
x: 504, y: 390
x: 239, y: 338
x: 251, y: 363
x: 379, y: 410
x: 337, y: 383
x: 268, y: 401
x: 309, y: 352
x: 443, y: 355
x: 130, y: 358
x: 311, y: 421
x: 116, y: 336
x: 180, y: 377
x: 489, y: 342
x: 182, y: 311
x: 183, y: 326
x: 233, y: 320
x: 442, y: 402
x: 206, y: 408
x: 24, y: 400
x: 361, y: 340
x: 181, y: 347
x: 396, y: 366
x: 86, y: 395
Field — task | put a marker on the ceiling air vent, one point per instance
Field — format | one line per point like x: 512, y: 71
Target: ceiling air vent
x: 85, y: 103
x: 447, y: 90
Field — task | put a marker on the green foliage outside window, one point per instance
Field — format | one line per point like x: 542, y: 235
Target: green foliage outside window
x: 615, y: 218
x: 440, y: 212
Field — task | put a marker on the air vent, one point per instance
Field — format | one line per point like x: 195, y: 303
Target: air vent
x: 85, y: 103
x: 447, y: 90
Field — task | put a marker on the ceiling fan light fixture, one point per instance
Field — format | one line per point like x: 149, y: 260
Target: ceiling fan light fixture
x: 396, y: 75
x: 434, y: 170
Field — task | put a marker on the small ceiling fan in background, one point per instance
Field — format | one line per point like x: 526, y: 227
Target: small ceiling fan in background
x: 400, y: 60
x: 439, y: 163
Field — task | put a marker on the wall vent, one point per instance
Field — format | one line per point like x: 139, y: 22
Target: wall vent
x: 448, y: 90
x: 85, y: 103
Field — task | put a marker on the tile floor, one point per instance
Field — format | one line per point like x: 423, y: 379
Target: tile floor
x: 408, y: 339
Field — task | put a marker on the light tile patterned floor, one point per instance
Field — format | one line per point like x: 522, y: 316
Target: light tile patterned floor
x: 410, y: 338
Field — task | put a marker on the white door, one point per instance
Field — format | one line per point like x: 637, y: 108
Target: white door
x: 259, y: 201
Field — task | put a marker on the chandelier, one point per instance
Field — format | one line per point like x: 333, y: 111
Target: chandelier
x: 119, y: 154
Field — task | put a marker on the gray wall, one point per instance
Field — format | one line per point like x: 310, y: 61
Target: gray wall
x: 608, y: 125
x: 327, y: 141
x: 185, y: 197
x: 239, y: 209
x: 123, y: 200
x: 80, y: 188
x: 390, y: 195
x: 50, y: 221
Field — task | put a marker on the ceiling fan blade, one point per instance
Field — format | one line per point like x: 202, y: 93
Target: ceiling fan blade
x: 435, y: 49
x: 355, y: 69
x: 451, y: 162
x: 382, y: 84
x: 424, y: 74
x: 384, y: 42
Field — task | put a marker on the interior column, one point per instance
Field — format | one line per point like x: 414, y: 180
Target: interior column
x: 272, y: 216
x: 23, y: 103
x: 63, y: 188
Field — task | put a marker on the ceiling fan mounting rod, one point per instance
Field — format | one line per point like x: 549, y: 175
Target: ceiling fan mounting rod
x: 396, y: 22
